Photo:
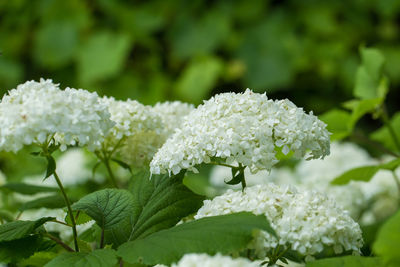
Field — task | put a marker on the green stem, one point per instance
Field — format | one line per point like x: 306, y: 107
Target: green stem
x: 110, y: 173
x: 396, y: 179
x: 385, y: 119
x: 58, y: 241
x: 63, y: 223
x: 102, y: 238
x: 71, y: 215
x: 243, y: 181
x: 222, y: 164
x: 357, y: 136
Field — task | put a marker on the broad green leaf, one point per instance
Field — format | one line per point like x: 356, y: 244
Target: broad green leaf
x: 96, y: 258
x: 369, y: 74
x: 347, y: 261
x: 159, y: 202
x: 5, y: 215
x: 102, y: 56
x: 38, y: 259
x: 92, y: 234
x: 198, y: 79
x: 190, y: 37
x: 107, y: 207
x: 382, y: 135
x: 224, y: 234
x: 388, y: 241
x: 19, y: 229
x: 338, y: 122
x: 357, y: 174
x: 49, y: 202
x: 55, y: 52
x: 80, y: 217
x: 16, y: 250
x: 28, y: 189
x: 364, y: 173
x: 391, y: 165
x: 362, y: 107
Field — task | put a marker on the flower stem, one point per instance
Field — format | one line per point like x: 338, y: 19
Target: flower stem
x: 396, y: 179
x: 71, y: 215
x: 106, y: 162
x: 102, y: 238
x: 385, y: 119
x: 222, y: 164
x: 58, y: 241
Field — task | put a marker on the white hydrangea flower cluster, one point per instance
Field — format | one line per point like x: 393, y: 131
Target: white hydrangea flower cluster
x: 138, y: 129
x: 172, y: 114
x: 306, y: 222
x: 246, y: 128
x: 355, y: 197
x: 130, y: 117
x: 218, y: 260
x: 36, y: 111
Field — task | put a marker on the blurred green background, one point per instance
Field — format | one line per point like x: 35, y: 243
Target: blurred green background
x: 307, y: 51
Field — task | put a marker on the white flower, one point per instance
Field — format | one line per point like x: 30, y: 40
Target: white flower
x: 306, y: 222
x: 218, y: 260
x: 172, y: 114
x: 138, y: 131
x: 37, y: 111
x: 247, y: 128
x: 355, y: 197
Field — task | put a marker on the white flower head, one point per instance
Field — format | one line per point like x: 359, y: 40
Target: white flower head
x: 172, y: 114
x: 218, y: 260
x: 247, y: 128
x: 306, y: 222
x: 36, y: 111
x: 138, y: 130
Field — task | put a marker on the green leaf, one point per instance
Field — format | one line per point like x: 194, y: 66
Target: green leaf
x: 346, y: 261
x: 224, y: 234
x: 190, y: 37
x: 80, y: 217
x: 96, y: 258
x: 364, y: 173
x: 55, y: 52
x: 16, y: 250
x: 236, y: 179
x: 383, y: 135
x: 198, y: 79
x: 39, y: 259
x: 19, y: 229
x: 51, y: 166
x: 338, y: 122
x: 28, y: 189
x: 362, y: 107
x: 391, y: 165
x: 122, y: 164
x: 159, y: 202
x: 6, y: 215
x: 103, y: 56
x: 49, y: 202
x: 369, y: 74
x: 357, y: 174
x: 107, y: 207
x: 388, y: 241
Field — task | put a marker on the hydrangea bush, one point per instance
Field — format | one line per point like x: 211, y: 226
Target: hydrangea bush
x: 115, y: 185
